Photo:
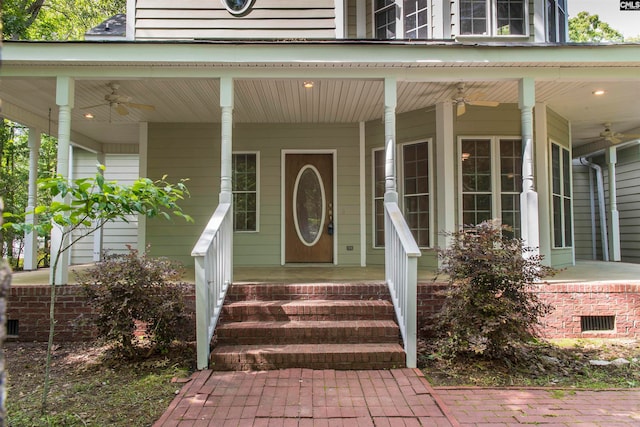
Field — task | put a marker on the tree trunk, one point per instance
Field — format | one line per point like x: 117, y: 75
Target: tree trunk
x: 5, y: 284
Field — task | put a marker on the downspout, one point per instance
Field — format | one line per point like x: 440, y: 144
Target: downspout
x: 601, y: 207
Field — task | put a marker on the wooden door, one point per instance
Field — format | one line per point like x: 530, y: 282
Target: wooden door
x: 308, y: 208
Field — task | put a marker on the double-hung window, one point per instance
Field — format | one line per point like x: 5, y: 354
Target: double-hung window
x: 396, y: 19
x: 493, y: 17
x: 245, y: 174
x: 561, y: 194
x: 415, y: 192
x: 491, y: 180
x: 556, y: 18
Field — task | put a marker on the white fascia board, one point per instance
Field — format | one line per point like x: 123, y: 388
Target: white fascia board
x: 121, y: 70
x: 324, y: 54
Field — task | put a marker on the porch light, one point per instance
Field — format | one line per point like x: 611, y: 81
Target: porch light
x: 465, y: 156
x: 599, y: 92
x: 88, y: 116
x: 308, y: 84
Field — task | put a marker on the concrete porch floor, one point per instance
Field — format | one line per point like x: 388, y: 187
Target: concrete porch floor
x: 582, y: 272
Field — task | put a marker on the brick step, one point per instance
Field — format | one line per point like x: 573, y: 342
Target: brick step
x: 310, y: 291
x: 307, y: 310
x: 308, y: 332
x: 311, y: 356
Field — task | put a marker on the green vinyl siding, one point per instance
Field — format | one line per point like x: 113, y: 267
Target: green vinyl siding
x: 558, y: 131
x: 193, y: 151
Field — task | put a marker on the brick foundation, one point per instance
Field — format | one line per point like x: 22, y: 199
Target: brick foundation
x: 571, y: 301
x: 30, y: 306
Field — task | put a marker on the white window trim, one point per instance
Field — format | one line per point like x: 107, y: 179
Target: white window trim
x: 373, y: 197
x: 564, y: 36
x: 400, y: 30
x: 401, y: 191
x: 257, y: 154
x: 492, y: 19
x: 496, y: 187
x: 400, y: 184
x: 551, y: 193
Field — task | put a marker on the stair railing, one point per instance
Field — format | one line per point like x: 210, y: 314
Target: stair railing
x: 401, y: 275
x: 213, y: 255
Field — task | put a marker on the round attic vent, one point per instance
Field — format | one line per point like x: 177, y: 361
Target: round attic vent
x: 238, y: 7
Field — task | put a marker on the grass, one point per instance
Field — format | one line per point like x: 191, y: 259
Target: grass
x: 89, y: 388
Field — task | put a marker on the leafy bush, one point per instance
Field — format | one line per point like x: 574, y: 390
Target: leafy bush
x: 488, y: 307
x: 126, y: 291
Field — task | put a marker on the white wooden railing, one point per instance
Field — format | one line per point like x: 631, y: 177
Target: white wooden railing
x: 213, y: 254
x: 401, y: 275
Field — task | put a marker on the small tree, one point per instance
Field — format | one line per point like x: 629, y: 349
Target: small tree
x: 587, y: 28
x: 489, y: 308
x: 92, y: 203
x: 129, y: 289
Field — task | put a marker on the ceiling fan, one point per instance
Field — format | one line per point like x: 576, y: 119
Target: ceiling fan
x: 461, y: 100
x: 121, y: 103
x: 615, y: 137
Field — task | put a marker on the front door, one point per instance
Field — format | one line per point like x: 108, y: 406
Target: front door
x: 308, y: 208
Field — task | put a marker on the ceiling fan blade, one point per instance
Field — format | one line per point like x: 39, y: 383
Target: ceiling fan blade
x: 475, y: 96
x: 122, y: 110
x: 141, y: 106
x: 628, y: 135
x: 93, y: 106
x: 461, y: 108
x: 484, y: 103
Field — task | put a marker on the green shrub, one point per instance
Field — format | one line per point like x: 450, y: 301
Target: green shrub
x: 126, y: 291
x: 488, y: 307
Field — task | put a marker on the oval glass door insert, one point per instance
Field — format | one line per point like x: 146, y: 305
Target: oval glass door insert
x: 309, y: 205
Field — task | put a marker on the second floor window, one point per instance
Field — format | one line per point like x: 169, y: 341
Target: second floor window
x: 557, y: 21
x: 413, y: 22
x: 493, y: 17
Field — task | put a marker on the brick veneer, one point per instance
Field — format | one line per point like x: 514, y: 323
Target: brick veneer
x: 570, y: 302
x: 30, y: 306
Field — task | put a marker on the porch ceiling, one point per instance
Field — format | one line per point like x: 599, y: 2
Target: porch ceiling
x: 339, y: 99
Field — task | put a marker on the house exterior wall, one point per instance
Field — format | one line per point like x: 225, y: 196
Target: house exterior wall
x: 558, y: 131
x: 193, y: 151
x: 205, y: 19
x: 116, y: 234
x: 628, y: 189
x: 583, y: 215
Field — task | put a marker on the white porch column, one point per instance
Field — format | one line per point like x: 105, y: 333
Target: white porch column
x: 143, y: 150
x: 542, y: 180
x: 614, y: 217
x: 528, y: 197
x: 65, y: 89
x: 445, y: 167
x: 226, y: 103
x: 98, y: 234
x: 31, y: 239
x: 390, y: 101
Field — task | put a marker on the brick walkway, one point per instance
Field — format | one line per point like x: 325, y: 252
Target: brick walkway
x: 399, y: 397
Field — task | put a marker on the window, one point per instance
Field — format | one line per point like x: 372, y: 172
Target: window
x: 557, y: 21
x: 491, y: 180
x: 412, y: 25
x: 415, y: 190
x: 561, y: 194
x: 493, y: 17
x: 415, y: 19
x: 245, y: 172
x: 378, y: 197
x: 385, y: 19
